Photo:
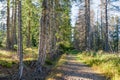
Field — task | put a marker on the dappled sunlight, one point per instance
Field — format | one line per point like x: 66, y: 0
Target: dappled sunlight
x: 29, y: 54
x: 74, y: 70
x: 7, y: 53
x: 9, y: 58
x: 47, y: 39
x: 57, y: 64
x: 59, y: 74
x: 30, y: 50
x: 61, y: 61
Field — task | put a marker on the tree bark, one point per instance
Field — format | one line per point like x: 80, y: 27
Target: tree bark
x: 13, y: 33
x: 88, y: 26
x: 29, y: 30
x: 106, y: 28
x: 42, y: 35
x: 8, y: 45
x: 20, y: 46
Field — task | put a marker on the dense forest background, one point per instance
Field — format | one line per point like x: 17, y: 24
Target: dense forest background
x: 104, y: 26
x: 41, y: 30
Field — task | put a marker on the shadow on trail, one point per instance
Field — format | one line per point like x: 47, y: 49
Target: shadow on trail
x: 73, y: 70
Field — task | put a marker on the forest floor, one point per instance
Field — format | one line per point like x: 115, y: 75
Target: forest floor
x: 72, y: 69
x: 73, y: 66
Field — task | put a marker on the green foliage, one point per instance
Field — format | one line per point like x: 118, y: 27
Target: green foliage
x: 56, y: 63
x: 48, y: 62
x: 30, y: 16
x: 65, y: 46
x: 94, y: 61
x: 73, y: 52
x: 7, y: 64
x: 34, y: 41
x: 109, y: 64
x: 15, y: 47
x: 1, y: 37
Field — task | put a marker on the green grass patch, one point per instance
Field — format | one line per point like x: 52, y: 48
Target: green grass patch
x: 7, y: 64
x: 8, y: 58
x: 58, y: 62
x: 108, y: 64
x: 73, y: 52
x: 48, y: 62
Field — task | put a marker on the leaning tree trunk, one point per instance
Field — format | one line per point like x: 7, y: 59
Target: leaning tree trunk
x: 20, y: 46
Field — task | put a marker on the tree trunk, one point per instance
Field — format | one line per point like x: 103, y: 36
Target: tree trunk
x: 20, y: 46
x: 42, y: 35
x: 15, y: 23
x: 29, y: 29
x: 117, y: 35
x: 106, y: 28
x: 13, y: 32
x: 8, y: 45
x: 88, y: 27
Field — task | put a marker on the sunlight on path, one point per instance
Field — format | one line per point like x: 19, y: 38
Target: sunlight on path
x: 74, y: 70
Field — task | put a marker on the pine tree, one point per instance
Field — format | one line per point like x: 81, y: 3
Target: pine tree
x: 8, y: 45
x: 20, y: 46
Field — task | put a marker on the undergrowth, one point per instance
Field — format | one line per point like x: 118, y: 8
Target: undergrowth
x: 9, y: 58
x: 108, y: 64
x: 7, y: 64
x: 56, y: 63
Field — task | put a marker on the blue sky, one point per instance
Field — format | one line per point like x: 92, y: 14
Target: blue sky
x: 94, y: 6
x: 75, y: 10
x: 74, y: 15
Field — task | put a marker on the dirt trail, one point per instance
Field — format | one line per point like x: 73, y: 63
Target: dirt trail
x: 74, y: 70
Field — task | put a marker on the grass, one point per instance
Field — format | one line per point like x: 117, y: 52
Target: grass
x: 6, y: 58
x: 7, y: 64
x: 107, y: 64
x: 9, y: 58
x: 57, y: 63
x: 74, y: 52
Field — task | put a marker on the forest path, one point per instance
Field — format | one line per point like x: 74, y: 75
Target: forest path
x: 72, y: 69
